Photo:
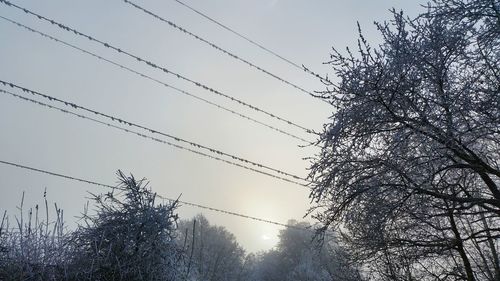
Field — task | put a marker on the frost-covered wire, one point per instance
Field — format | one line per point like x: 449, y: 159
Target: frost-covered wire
x: 149, y: 130
x: 231, y: 213
x: 55, y: 174
x: 174, y: 25
x: 142, y: 75
x: 153, y: 65
x: 17, y: 165
x: 251, y: 41
x: 296, y: 65
x: 121, y: 121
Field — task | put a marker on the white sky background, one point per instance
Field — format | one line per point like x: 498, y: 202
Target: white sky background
x: 302, y: 31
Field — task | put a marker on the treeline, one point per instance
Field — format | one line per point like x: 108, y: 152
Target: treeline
x: 299, y: 255
x: 132, y: 237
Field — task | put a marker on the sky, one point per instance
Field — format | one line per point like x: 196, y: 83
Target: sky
x: 301, y: 31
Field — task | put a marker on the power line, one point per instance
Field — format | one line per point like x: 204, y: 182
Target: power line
x: 240, y: 35
x: 151, y: 64
x: 162, y: 197
x: 172, y: 24
x: 235, y: 214
x: 152, y: 138
x: 152, y: 131
x: 246, y: 38
x: 178, y: 90
x: 55, y: 174
x: 253, y: 42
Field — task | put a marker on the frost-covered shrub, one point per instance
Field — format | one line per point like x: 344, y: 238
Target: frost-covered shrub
x: 35, y: 248
x: 129, y: 238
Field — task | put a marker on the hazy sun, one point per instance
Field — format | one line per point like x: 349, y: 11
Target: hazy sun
x: 265, y: 237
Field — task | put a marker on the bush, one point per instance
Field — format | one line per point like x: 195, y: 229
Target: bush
x: 130, y: 238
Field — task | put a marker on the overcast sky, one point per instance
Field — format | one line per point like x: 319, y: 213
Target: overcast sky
x: 302, y: 31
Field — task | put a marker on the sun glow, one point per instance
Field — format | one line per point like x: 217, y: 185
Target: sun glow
x: 265, y: 237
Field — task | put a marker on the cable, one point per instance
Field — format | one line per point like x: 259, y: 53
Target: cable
x: 172, y: 24
x: 153, y: 65
x: 234, y: 214
x: 131, y: 124
x: 154, y: 79
x: 152, y: 138
x: 149, y: 137
x: 303, y: 68
x: 55, y: 174
x: 162, y: 197
x: 240, y: 35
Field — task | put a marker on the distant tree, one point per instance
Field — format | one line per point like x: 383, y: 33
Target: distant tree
x: 410, y: 165
x: 129, y: 238
x: 300, y: 257
x: 212, y: 252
